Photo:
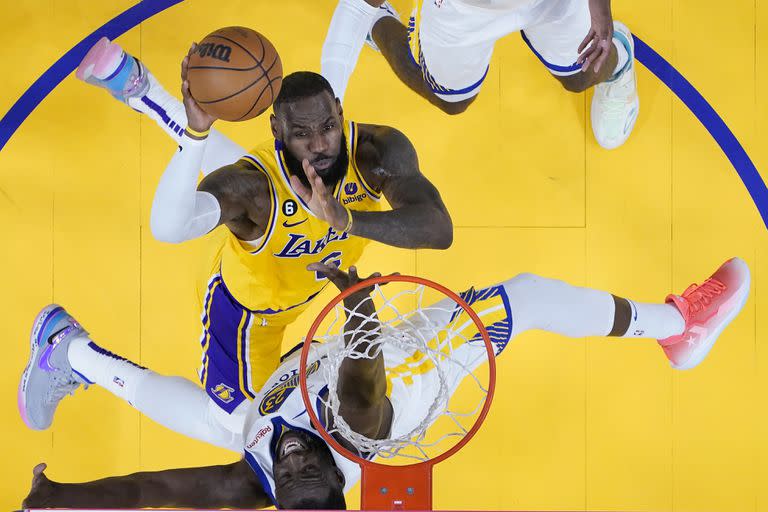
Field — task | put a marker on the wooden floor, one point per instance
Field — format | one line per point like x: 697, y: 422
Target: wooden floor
x: 577, y: 424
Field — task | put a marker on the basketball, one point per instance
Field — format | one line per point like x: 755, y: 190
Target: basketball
x: 235, y: 73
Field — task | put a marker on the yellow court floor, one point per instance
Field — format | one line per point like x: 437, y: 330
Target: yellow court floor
x: 577, y: 424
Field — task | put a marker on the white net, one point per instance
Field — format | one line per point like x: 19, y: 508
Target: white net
x: 433, y: 355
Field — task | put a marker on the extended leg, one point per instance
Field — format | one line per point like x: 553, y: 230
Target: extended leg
x: 686, y: 325
x: 64, y: 357
x: 615, y: 104
x: 127, y: 79
x: 391, y: 37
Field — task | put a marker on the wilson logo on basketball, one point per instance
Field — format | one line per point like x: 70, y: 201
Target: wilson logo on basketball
x: 215, y: 51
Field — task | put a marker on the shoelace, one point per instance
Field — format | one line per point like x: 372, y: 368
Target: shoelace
x: 700, y: 296
x: 615, y: 99
x: 63, y: 384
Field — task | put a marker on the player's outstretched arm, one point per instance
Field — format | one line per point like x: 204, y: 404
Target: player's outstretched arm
x: 362, y: 384
x: 180, y: 212
x: 228, y: 486
x: 419, y: 218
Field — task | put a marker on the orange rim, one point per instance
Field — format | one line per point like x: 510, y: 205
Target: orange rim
x: 388, y: 279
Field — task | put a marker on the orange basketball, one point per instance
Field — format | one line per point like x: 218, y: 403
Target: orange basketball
x: 235, y: 73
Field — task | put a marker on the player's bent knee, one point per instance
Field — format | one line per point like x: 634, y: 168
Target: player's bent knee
x: 578, y: 82
x: 454, y: 108
x: 524, y: 279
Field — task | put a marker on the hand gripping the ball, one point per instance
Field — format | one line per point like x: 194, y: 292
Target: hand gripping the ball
x: 197, y: 118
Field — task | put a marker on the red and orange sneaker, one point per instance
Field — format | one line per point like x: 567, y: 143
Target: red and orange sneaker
x: 707, y: 309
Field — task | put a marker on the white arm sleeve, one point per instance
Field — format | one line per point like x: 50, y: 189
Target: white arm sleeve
x: 220, y: 151
x: 180, y: 212
x: 349, y: 26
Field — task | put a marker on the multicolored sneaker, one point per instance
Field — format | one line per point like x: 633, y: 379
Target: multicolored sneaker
x: 385, y: 10
x: 707, y: 309
x: 615, y: 105
x: 48, y: 377
x: 106, y: 65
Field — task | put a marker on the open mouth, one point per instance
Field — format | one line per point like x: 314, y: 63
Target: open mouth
x: 291, y: 444
x: 322, y: 164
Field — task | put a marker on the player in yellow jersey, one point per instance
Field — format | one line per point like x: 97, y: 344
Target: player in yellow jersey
x: 312, y: 194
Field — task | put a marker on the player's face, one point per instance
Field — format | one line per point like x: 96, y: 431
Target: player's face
x: 312, y: 129
x: 303, y: 467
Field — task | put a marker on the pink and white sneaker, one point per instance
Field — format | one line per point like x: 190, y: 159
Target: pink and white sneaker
x: 707, y: 309
x: 106, y: 65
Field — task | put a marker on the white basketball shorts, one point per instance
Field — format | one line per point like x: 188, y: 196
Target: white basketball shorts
x: 452, y: 40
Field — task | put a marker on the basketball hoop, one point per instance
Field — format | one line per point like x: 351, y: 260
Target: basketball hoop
x: 409, y: 486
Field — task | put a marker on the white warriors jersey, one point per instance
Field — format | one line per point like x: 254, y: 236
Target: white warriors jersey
x: 502, y: 5
x: 412, y: 382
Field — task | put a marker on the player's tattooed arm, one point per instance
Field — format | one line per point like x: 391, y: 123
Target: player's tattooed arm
x: 419, y: 218
x: 362, y: 385
x: 243, y: 195
x: 227, y: 486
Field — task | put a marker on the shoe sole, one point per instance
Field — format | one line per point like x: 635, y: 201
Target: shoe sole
x: 709, y: 342
x: 87, y: 65
x: 41, y: 322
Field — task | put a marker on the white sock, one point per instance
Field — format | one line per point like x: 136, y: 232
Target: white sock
x: 116, y: 374
x: 622, y: 57
x: 162, y: 107
x: 168, y: 112
x: 657, y: 321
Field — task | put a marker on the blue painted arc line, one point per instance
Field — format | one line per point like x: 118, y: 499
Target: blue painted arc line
x: 53, y: 76
x: 714, y: 124
x: 145, y: 9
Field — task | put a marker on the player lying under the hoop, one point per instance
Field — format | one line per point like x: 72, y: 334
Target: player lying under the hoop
x: 288, y: 465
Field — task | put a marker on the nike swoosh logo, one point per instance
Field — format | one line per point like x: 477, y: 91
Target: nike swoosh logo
x: 633, y: 308
x: 289, y: 225
x: 45, y: 358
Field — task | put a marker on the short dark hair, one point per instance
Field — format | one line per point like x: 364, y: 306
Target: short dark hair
x: 333, y: 501
x: 302, y: 84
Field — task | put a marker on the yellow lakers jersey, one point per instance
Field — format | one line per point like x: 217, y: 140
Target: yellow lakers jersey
x: 270, y: 277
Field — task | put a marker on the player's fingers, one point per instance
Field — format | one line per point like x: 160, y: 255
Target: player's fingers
x: 185, y: 90
x: 323, y: 193
x: 309, y: 171
x: 600, y: 59
x: 318, y: 267
x: 583, y: 56
x: 39, y: 469
x: 586, y: 41
x: 331, y: 272
x: 589, y: 58
x: 185, y: 61
x: 388, y: 275
x: 304, y: 193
